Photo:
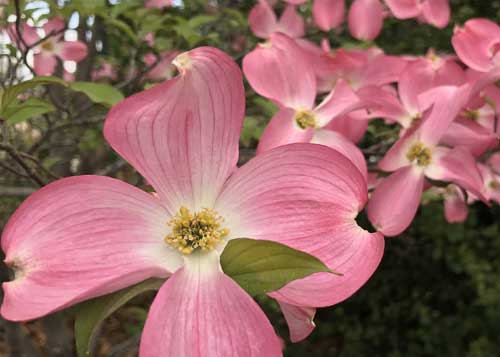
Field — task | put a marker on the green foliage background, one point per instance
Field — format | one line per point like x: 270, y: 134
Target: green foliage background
x: 437, y: 290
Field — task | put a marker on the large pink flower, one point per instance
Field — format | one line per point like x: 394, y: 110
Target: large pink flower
x: 85, y: 236
x: 47, y: 52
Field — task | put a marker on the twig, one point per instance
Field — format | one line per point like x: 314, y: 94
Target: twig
x: 19, y: 38
x: 11, y: 170
x: 40, y: 165
x: 14, y: 154
x: 16, y: 191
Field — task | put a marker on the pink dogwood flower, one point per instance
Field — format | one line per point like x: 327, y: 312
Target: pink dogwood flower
x: 418, y: 155
x: 47, y: 52
x: 86, y: 236
x: 477, y: 44
x: 477, y: 126
x: 279, y: 70
x: 359, y: 68
x: 263, y: 22
x: 434, y: 12
x: 419, y: 76
x: 491, y: 180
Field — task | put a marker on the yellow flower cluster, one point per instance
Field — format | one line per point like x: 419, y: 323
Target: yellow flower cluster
x: 199, y: 230
x: 420, y: 153
x: 305, y: 119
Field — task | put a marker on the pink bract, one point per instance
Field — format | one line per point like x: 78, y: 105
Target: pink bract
x: 366, y: 18
x: 85, y: 236
x: 477, y: 44
x: 263, y: 21
x: 328, y: 14
x: 434, y: 12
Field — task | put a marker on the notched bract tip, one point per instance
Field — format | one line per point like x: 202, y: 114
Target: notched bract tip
x: 15, y: 269
x: 183, y: 62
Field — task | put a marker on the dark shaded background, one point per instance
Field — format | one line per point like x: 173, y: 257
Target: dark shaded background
x: 436, y: 292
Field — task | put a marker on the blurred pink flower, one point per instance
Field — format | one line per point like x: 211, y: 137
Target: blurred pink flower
x: 359, y: 68
x: 159, y: 4
x: 105, y: 71
x: 47, y: 52
x: 477, y: 44
x: 263, y: 22
x: 434, y: 12
x: 86, y: 236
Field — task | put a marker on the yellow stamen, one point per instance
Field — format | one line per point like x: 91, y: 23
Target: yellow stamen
x: 47, y: 46
x: 494, y: 185
x: 420, y: 153
x: 200, y: 230
x: 471, y: 114
x: 305, y: 119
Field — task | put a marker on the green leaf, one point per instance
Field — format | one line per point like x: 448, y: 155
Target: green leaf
x: 91, y: 314
x: 11, y: 93
x: 98, y: 92
x: 261, y: 266
x: 18, y: 112
x: 123, y: 27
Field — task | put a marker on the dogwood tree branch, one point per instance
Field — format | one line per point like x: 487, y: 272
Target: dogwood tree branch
x: 17, y: 157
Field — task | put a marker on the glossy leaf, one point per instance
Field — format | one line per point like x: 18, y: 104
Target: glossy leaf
x: 19, y: 112
x: 90, y: 314
x: 98, y: 92
x: 11, y: 93
x: 261, y: 266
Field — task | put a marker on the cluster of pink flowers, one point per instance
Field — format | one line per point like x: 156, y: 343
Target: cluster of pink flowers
x: 86, y: 236
x: 365, y: 17
x: 445, y: 106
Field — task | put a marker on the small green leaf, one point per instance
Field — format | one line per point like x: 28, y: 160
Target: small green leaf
x: 91, y: 314
x: 98, y: 92
x: 19, y: 112
x: 261, y: 266
x: 11, y: 93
